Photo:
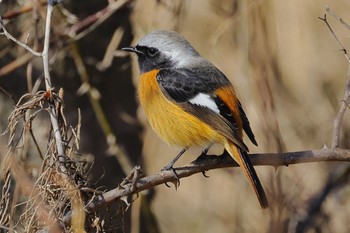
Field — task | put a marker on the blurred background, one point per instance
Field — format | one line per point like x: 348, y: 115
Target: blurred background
x: 287, y: 69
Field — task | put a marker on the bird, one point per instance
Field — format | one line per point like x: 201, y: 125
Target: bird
x: 189, y: 102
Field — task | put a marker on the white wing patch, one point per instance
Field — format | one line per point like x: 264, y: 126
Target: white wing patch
x: 206, y: 101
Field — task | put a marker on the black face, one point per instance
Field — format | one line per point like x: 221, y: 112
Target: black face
x: 150, y: 58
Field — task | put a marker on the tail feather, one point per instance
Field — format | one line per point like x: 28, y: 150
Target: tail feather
x: 242, y: 158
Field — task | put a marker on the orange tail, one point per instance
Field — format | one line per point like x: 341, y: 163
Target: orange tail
x: 242, y: 158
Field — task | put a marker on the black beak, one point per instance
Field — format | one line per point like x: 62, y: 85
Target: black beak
x: 132, y: 49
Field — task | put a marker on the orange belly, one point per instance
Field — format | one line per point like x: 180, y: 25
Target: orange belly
x: 170, y: 121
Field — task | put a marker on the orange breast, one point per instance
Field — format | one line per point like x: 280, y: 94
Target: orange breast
x: 170, y: 121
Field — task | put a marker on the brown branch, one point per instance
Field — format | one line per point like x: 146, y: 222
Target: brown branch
x: 210, y: 162
x: 25, y: 9
x: 90, y: 23
x: 336, y: 179
x: 20, y: 61
x: 339, y: 117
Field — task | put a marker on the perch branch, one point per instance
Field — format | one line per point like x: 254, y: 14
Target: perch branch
x: 214, y: 162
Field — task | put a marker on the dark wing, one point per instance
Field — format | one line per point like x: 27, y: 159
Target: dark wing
x: 182, y: 85
x: 246, y: 124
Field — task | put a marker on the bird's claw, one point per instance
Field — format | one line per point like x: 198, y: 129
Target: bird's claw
x: 205, y: 175
x: 170, y: 168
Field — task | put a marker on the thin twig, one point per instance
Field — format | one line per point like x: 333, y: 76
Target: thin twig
x: 8, y: 94
x: 338, y: 18
x: 339, y: 117
x: 9, y: 36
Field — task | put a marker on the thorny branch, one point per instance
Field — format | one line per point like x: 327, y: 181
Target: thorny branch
x: 210, y: 162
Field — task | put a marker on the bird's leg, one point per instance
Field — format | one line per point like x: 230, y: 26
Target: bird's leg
x: 171, y: 164
x: 204, y: 152
x: 202, y: 155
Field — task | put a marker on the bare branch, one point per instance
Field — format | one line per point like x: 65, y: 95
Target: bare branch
x: 210, y: 162
x: 52, y: 110
x: 339, y: 117
x: 324, y: 19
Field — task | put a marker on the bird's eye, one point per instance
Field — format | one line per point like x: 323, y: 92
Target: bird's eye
x: 152, y: 52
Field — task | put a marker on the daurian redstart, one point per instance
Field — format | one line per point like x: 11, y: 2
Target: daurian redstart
x: 190, y: 102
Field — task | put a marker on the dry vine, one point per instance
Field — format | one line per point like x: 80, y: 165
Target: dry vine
x: 61, y: 186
